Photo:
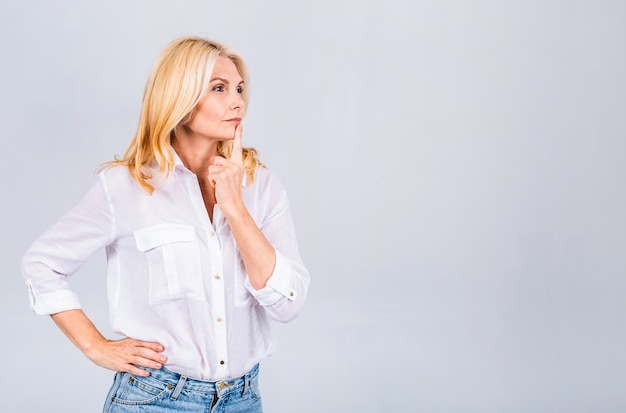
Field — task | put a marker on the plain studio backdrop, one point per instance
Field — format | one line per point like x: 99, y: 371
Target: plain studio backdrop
x: 456, y: 171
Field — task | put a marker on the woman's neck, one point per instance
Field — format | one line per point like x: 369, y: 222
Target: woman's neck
x: 195, y: 153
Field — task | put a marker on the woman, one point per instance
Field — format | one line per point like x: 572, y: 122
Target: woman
x: 200, y: 246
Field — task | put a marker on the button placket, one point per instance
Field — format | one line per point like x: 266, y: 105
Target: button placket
x: 218, y: 300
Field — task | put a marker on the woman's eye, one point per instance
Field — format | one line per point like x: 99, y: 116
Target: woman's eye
x: 218, y: 88
x: 240, y: 90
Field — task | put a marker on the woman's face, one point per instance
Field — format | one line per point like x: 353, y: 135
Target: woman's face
x: 222, y: 108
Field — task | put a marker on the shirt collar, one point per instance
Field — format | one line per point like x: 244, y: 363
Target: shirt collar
x: 177, y: 161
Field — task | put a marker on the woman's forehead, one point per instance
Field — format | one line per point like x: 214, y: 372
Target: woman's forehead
x: 226, y: 69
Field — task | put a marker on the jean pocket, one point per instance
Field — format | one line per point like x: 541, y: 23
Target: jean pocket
x: 134, y: 391
x: 173, y: 257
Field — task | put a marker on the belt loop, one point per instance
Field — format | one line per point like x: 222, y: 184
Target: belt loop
x: 178, y: 388
x: 246, y: 384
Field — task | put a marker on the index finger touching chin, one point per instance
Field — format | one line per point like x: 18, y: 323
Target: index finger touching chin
x: 236, y: 155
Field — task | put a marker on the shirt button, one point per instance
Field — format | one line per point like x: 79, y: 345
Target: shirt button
x: 222, y: 362
x: 212, y: 233
x: 217, y: 276
x: 219, y: 319
x: 291, y: 294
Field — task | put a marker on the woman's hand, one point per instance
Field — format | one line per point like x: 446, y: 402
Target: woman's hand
x: 226, y: 175
x: 116, y: 355
x: 126, y: 354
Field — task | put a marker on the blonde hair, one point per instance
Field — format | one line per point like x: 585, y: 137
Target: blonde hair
x: 176, y: 85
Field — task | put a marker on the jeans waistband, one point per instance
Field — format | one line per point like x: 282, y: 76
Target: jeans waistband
x: 181, y: 382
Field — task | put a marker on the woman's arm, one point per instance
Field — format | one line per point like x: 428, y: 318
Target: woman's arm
x: 116, y: 355
x: 58, y: 254
x: 277, y: 278
x: 257, y: 253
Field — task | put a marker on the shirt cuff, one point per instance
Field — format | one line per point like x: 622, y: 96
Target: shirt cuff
x: 55, y: 302
x: 277, y: 286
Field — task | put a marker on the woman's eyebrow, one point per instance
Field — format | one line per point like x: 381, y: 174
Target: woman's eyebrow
x: 223, y: 80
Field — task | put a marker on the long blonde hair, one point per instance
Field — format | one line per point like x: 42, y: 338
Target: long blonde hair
x: 178, y: 80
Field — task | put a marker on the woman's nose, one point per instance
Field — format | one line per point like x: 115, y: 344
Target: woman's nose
x: 238, y: 102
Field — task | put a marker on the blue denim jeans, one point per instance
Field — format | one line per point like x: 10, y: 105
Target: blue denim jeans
x: 166, y: 391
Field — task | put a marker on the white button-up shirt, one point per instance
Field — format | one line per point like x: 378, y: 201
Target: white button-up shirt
x: 174, y: 276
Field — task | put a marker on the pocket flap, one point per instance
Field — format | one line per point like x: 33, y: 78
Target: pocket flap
x: 157, y: 235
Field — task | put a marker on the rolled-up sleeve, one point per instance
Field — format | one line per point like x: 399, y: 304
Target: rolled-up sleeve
x: 62, y: 249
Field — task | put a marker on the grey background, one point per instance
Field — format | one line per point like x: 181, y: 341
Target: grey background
x: 456, y: 171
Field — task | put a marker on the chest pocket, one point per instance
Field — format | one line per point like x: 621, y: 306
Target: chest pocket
x: 174, y: 267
